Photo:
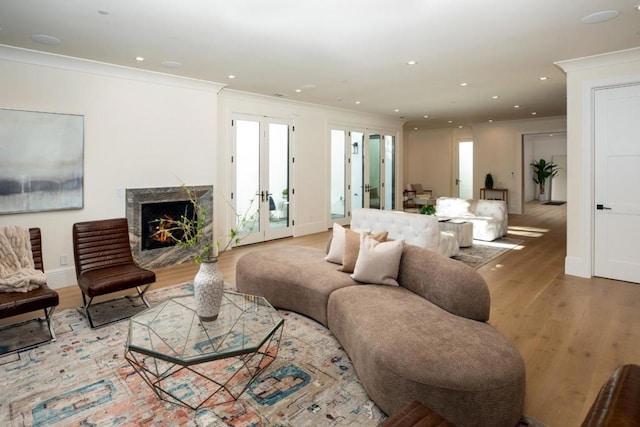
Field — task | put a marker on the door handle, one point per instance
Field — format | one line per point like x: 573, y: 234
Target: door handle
x: 602, y: 207
x: 366, y: 188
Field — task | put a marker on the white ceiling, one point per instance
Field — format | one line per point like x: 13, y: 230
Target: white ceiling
x: 339, y: 52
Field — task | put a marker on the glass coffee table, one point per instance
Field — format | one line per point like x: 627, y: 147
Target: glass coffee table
x: 193, y: 363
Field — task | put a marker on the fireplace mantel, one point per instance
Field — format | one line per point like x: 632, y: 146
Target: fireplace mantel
x: 172, y: 255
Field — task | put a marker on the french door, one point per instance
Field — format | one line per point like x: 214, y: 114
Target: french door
x: 262, y: 174
x: 362, y: 172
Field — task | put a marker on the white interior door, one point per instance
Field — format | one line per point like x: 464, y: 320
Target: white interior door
x: 464, y: 172
x: 616, y: 189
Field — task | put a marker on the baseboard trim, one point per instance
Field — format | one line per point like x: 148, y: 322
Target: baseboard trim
x: 575, y: 266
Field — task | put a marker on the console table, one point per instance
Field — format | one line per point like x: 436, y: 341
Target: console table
x: 503, y: 194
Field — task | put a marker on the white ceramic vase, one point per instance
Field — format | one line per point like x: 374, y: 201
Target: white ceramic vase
x: 208, y: 286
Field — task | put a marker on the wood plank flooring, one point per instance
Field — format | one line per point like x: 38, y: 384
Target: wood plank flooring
x: 572, y: 332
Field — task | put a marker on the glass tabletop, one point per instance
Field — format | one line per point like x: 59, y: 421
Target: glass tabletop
x: 173, y: 332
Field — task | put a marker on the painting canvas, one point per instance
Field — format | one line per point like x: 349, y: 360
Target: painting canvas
x: 41, y: 161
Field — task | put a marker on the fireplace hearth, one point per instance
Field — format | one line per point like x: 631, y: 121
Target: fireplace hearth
x: 151, y: 247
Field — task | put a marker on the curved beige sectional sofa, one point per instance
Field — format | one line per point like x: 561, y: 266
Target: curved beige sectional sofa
x: 427, y: 339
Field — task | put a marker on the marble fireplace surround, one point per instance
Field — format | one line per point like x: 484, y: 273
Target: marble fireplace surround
x: 160, y: 257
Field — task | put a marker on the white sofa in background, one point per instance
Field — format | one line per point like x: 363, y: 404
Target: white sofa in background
x: 414, y: 229
x: 490, y: 218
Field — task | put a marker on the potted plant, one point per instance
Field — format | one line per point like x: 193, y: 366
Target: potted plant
x: 189, y: 232
x: 488, y: 182
x: 541, y: 172
x: 428, y: 210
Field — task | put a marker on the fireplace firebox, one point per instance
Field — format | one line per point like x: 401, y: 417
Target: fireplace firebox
x: 158, y: 202
x: 159, y: 228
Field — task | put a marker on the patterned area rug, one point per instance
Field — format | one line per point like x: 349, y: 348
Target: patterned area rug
x: 480, y: 253
x: 82, y: 379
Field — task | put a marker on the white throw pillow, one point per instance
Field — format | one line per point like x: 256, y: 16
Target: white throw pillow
x: 378, y: 262
x: 336, y: 250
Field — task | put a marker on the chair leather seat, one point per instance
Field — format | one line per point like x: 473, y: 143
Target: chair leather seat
x: 113, y: 279
x: 14, y: 303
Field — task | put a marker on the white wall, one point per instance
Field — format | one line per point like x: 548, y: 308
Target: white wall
x: 141, y: 130
x: 147, y: 129
x: 584, y: 75
x: 497, y: 149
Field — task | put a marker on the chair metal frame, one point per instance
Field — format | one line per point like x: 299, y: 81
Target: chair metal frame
x: 36, y: 248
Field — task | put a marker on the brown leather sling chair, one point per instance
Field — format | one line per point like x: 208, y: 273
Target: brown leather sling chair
x: 104, y: 263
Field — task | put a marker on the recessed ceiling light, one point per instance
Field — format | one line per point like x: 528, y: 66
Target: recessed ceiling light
x: 415, y: 128
x: 396, y: 110
x: 171, y: 64
x: 425, y: 116
x: 357, y: 102
x: 103, y: 11
x: 450, y: 121
x: 298, y: 90
x: 45, y: 39
x: 533, y: 113
x: 494, y: 97
x: 516, y: 106
x: 490, y: 121
x: 543, y: 78
x: 411, y: 62
x: 460, y: 127
x: 598, y: 17
x: 231, y: 76
x: 636, y: 8
x: 139, y: 58
x: 464, y: 84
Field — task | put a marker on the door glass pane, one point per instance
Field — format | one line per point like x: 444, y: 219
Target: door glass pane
x: 374, y: 171
x: 338, y: 173
x: 357, y: 170
x: 278, y: 175
x: 465, y: 169
x: 247, y: 169
x: 389, y: 173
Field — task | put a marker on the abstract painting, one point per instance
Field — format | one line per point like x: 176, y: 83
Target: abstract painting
x: 41, y: 161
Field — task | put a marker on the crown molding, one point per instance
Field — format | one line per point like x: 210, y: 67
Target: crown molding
x: 602, y: 60
x: 45, y: 59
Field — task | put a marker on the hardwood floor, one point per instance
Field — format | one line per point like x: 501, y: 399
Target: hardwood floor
x: 572, y: 332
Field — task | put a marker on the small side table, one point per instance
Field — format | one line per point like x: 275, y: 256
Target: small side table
x: 463, y: 230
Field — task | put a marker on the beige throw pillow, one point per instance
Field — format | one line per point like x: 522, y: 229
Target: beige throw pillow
x: 336, y: 250
x: 378, y: 262
x: 352, y: 248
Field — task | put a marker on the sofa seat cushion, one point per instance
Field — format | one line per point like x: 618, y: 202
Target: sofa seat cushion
x: 295, y: 278
x: 484, y: 228
x: 405, y: 348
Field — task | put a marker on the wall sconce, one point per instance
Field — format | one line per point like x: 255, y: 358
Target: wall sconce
x: 355, y: 148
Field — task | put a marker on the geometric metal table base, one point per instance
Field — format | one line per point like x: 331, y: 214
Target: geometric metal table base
x: 208, y: 383
x: 194, y: 363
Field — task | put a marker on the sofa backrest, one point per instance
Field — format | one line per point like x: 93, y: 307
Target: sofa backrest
x: 414, y: 229
x: 449, y: 284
